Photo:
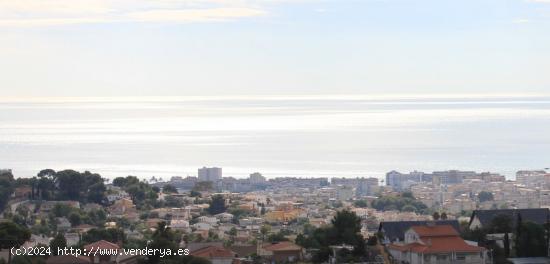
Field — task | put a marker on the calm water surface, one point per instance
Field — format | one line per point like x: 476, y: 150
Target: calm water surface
x: 324, y: 136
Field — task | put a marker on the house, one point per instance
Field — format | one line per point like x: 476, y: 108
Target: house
x: 72, y: 239
x: 208, y: 220
x: 63, y: 224
x: 438, y: 244
x: 224, y: 217
x: 68, y: 259
x: 37, y: 240
x: 216, y: 255
x: 177, y: 224
x: 284, y: 251
x: 244, y: 251
x: 47, y: 206
x: 83, y: 228
x: 123, y: 208
x: 153, y: 222
x: 483, y: 218
x: 22, y: 192
x: 251, y: 221
x: 202, y: 226
x: 394, y: 231
x: 107, y: 246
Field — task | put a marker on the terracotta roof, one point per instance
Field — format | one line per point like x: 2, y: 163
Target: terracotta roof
x: 282, y: 246
x: 438, y: 245
x: 435, y: 231
x: 67, y: 259
x: 213, y: 252
x: 396, y: 229
x: 101, y: 244
x: 437, y: 239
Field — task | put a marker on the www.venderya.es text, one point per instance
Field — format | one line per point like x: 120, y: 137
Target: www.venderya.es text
x: 47, y: 251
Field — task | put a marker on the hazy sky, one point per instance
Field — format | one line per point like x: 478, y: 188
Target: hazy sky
x: 228, y: 47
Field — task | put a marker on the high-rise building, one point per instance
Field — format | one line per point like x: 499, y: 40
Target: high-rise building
x: 257, y: 178
x: 451, y: 176
x: 399, y: 181
x: 213, y: 174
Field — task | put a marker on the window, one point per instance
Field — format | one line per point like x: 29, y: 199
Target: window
x: 441, y: 257
x: 460, y: 257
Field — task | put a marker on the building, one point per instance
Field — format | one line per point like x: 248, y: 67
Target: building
x: 216, y: 254
x: 282, y: 252
x: 394, y: 231
x: 363, y: 186
x: 256, y: 178
x: 344, y: 192
x: 451, y: 176
x: 107, y: 247
x: 213, y: 174
x: 532, y: 178
x: 439, y: 244
x: 483, y: 218
x: 399, y: 181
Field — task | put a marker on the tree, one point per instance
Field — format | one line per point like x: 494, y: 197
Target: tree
x: 169, y: 189
x: 361, y: 203
x: 408, y: 208
x: 217, y: 205
x: 13, y: 235
x: 264, y: 230
x: 503, y: 224
x: 443, y: 216
x: 345, y: 229
x: 6, y: 188
x: 163, y: 238
x: 530, y: 241
x: 75, y: 219
x: 58, y: 242
x: 113, y: 235
x: 172, y: 201
x: 203, y: 186
x: 436, y: 216
x: 484, y: 196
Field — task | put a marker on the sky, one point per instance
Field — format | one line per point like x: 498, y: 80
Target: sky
x: 273, y: 47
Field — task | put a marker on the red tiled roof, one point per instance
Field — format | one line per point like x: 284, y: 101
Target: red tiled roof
x: 438, y: 245
x: 282, y: 246
x: 213, y: 252
x: 437, y: 239
x: 67, y: 259
x: 435, y: 231
x: 101, y: 244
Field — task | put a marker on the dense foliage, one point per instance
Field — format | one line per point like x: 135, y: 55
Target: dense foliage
x: 484, y: 196
x: 404, y: 202
x: 345, y: 229
x: 143, y: 195
x: 217, y: 205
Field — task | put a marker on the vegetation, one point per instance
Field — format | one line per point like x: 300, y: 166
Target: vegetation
x: 169, y: 189
x: 217, y: 205
x: 143, y: 195
x: 345, y: 229
x: 58, y: 242
x: 503, y: 224
x: 113, y: 235
x: 361, y: 203
x: 164, y: 238
x: 484, y: 196
x: 13, y: 235
x: 404, y: 202
x: 6, y: 188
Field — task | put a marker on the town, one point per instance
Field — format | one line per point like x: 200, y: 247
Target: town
x: 416, y: 217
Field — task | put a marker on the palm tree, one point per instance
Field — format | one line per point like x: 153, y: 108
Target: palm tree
x: 503, y: 224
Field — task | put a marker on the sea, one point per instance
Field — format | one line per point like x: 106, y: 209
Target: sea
x: 278, y: 136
